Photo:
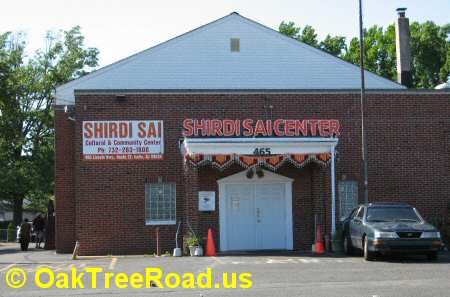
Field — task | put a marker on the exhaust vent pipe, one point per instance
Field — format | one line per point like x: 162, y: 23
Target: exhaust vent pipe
x: 403, y: 48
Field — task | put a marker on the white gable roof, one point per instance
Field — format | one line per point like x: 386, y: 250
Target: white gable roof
x: 201, y: 60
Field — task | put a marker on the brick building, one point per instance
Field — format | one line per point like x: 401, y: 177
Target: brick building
x: 235, y: 127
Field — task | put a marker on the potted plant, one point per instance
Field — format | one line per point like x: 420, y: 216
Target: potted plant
x: 337, y: 244
x: 193, y: 242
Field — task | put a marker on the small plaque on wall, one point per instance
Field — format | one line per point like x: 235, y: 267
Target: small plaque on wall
x: 206, y: 201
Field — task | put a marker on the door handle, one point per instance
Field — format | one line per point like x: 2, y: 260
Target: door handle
x: 258, y: 215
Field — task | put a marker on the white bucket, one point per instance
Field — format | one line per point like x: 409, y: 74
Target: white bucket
x: 177, y: 252
x: 198, y: 251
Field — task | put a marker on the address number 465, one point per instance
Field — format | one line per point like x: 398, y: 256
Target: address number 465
x: 261, y: 151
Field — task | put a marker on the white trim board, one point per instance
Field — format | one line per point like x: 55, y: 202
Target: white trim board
x: 246, y: 146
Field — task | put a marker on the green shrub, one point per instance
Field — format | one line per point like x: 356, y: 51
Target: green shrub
x: 4, y: 225
x: 192, y: 239
x: 11, y: 232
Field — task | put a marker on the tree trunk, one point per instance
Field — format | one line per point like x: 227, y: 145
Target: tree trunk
x: 18, y: 209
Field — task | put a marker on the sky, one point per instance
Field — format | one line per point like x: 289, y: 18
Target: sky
x: 120, y: 28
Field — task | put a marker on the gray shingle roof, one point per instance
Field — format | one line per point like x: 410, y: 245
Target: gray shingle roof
x: 201, y: 60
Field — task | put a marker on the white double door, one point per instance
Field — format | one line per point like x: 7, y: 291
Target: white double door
x: 256, y: 216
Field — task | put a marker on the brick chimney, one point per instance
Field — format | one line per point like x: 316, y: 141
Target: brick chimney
x: 403, y: 49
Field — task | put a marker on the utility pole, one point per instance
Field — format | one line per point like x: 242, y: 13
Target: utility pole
x: 363, y: 104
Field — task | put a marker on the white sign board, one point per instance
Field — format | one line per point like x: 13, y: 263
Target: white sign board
x: 206, y: 200
x: 123, y: 140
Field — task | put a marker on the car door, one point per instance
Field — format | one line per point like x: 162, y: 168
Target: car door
x: 356, y: 228
x: 346, y: 222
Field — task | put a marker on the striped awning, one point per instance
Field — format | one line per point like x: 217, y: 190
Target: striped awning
x: 223, y: 152
x: 272, y: 162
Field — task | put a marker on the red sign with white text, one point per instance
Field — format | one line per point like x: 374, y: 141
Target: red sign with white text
x: 260, y: 128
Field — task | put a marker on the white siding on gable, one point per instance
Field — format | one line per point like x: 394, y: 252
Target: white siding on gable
x: 202, y: 60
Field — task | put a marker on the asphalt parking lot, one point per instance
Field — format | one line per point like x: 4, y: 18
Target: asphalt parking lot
x: 290, y: 274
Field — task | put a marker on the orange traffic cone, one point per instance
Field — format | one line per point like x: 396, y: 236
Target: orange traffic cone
x: 210, y: 246
x: 320, y: 248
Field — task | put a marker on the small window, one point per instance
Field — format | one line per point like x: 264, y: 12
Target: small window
x: 348, y: 197
x: 235, y: 45
x: 160, y: 200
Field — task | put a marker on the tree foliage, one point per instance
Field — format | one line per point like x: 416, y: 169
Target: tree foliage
x: 430, y: 50
x: 334, y: 45
x: 27, y: 85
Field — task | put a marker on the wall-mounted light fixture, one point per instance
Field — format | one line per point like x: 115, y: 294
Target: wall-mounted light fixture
x: 254, y: 170
x: 70, y: 111
x: 259, y: 172
x: 250, y: 173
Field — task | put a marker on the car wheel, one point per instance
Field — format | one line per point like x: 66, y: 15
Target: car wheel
x: 348, y: 247
x: 368, y: 255
x: 432, y: 256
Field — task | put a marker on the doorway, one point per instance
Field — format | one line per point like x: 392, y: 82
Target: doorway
x: 256, y: 213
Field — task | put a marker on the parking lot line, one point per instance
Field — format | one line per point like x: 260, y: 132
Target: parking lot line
x: 113, y: 263
x: 217, y: 260
x: 60, y: 267
x: 7, y: 267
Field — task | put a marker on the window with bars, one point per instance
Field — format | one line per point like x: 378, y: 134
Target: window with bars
x: 348, y: 197
x: 160, y: 204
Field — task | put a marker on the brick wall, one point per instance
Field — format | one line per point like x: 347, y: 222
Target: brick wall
x: 408, y: 147
x: 65, y: 182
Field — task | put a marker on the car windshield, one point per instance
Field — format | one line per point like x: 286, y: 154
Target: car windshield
x: 391, y: 214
